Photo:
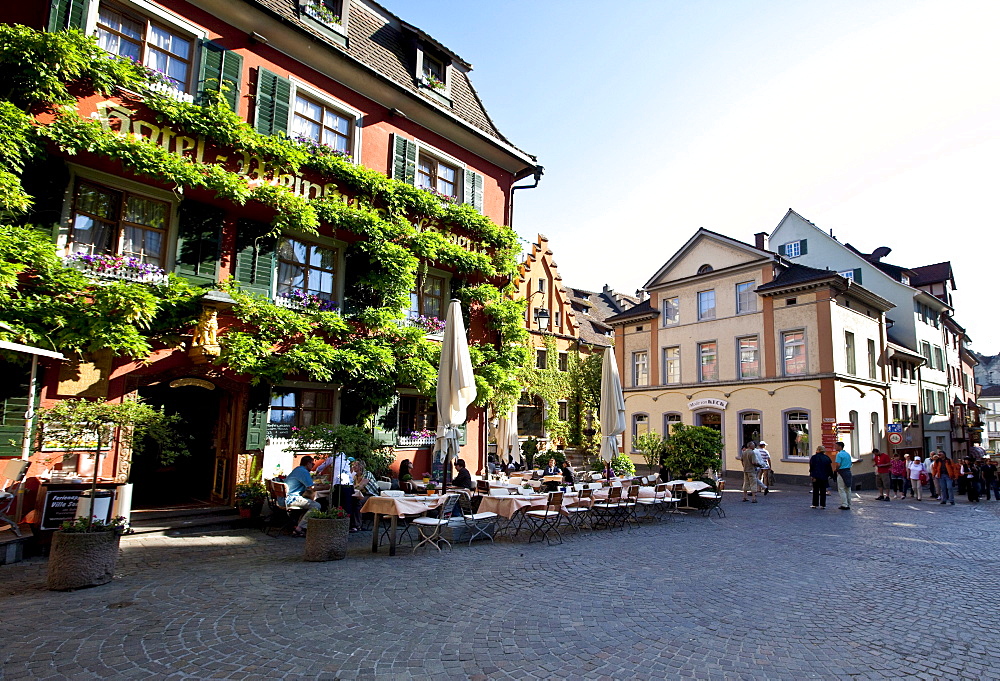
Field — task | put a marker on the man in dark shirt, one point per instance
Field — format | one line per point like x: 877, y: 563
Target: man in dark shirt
x: 463, y: 478
x: 820, y: 471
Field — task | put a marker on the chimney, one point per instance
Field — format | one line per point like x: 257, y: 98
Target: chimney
x: 760, y: 241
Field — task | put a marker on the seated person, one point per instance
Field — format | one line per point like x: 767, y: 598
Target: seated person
x: 364, y: 486
x: 463, y: 478
x: 300, y: 482
x: 552, y: 469
x: 569, y: 475
x: 406, y: 469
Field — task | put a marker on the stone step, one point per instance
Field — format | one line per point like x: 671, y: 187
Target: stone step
x: 224, y: 518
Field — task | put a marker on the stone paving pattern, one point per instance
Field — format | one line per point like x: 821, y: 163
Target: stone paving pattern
x: 775, y: 590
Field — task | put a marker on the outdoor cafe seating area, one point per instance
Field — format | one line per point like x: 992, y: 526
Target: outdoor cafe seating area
x: 523, y: 509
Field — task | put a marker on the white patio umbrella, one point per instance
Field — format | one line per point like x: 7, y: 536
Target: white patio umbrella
x: 508, y: 443
x: 612, y: 411
x: 456, y: 387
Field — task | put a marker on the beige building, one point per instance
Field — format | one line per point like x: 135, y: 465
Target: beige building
x: 736, y: 338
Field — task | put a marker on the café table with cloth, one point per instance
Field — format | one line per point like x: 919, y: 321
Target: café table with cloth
x: 687, y: 488
x: 396, y: 507
x: 644, y: 492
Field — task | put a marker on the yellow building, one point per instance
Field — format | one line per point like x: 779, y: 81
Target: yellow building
x: 736, y: 338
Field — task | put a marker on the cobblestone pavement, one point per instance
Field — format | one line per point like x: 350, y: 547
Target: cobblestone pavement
x: 775, y: 590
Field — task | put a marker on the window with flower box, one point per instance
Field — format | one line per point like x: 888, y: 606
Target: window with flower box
x: 434, y: 171
x: 428, y: 302
x: 295, y: 408
x: 322, y: 124
x: 157, y: 46
x: 417, y: 420
x: 114, y: 229
x: 307, y: 273
x: 437, y: 177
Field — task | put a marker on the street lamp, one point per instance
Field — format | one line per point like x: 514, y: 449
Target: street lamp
x: 542, y: 318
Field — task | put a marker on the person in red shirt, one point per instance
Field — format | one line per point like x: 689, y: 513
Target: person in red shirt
x: 882, y: 463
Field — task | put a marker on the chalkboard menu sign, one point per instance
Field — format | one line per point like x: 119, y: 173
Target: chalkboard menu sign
x: 59, y: 506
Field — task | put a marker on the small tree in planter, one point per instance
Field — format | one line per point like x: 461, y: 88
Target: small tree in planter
x: 77, y: 560
x: 353, y: 441
x: 692, y: 450
x: 326, y: 538
x: 652, y: 447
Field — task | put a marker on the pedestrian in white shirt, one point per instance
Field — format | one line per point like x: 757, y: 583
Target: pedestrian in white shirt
x: 913, y: 470
x: 764, y: 474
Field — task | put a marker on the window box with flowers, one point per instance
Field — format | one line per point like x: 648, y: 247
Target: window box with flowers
x: 418, y: 438
x: 297, y: 299
x: 319, y: 11
x: 109, y: 268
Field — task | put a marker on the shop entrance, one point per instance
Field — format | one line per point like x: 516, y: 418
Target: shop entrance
x: 710, y: 419
x: 187, y: 480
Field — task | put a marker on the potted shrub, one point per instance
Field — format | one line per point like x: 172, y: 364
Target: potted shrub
x: 326, y: 537
x: 431, y: 488
x: 692, y: 450
x: 250, y: 498
x: 84, y: 553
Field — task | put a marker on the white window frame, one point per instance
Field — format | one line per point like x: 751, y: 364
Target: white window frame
x: 677, y: 318
x: 785, y: 421
x: 349, y: 112
x: 847, y: 274
x: 448, y: 72
x: 441, y: 157
x: 666, y: 364
x: 792, y: 246
x: 751, y: 299
x: 640, y: 366
x: 715, y: 305
x: 161, y: 15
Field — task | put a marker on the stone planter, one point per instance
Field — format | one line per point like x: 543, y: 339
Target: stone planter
x: 326, y: 539
x: 82, y: 559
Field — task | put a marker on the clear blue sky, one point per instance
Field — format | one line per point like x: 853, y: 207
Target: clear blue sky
x: 878, y: 119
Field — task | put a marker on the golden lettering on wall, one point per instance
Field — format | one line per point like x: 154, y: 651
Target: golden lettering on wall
x: 87, y: 377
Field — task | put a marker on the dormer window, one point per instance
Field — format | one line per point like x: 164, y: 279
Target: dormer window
x: 433, y: 72
x: 329, y: 12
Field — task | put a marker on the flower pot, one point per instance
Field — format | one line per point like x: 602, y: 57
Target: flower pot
x: 82, y: 559
x: 245, y: 512
x: 431, y: 492
x: 326, y: 539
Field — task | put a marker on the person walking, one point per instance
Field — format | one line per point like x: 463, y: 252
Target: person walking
x: 914, y: 470
x: 749, y: 461
x: 897, y: 469
x: 820, y: 472
x: 842, y: 467
x: 931, y: 481
x: 988, y: 473
x: 764, y: 474
x: 882, y: 475
x: 970, y: 471
x: 907, y: 487
x: 946, y: 471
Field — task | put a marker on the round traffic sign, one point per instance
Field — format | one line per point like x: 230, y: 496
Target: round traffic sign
x: 895, y: 438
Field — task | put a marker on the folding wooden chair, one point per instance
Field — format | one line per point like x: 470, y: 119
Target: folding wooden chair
x: 606, y: 511
x: 478, y: 524
x: 13, y: 474
x: 545, y: 521
x: 430, y: 525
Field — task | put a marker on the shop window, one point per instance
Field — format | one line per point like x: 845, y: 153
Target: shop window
x: 110, y: 222
x: 855, y: 436
x: 668, y: 423
x: 750, y: 427
x: 152, y: 44
x: 305, y: 269
x: 797, y: 434
x: 298, y: 408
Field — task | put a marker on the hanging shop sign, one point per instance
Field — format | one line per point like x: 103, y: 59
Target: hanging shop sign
x: 709, y: 402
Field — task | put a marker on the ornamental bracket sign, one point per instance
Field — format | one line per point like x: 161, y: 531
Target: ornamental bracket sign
x: 707, y: 402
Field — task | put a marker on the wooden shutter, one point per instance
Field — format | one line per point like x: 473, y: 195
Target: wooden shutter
x: 857, y: 275
x: 802, y: 247
x: 273, y: 95
x: 199, y: 235
x: 219, y: 65
x: 474, y: 189
x: 387, y: 423
x: 13, y: 405
x: 255, y: 257
x: 257, y: 408
x: 462, y: 439
x: 404, y: 159
x: 68, y: 14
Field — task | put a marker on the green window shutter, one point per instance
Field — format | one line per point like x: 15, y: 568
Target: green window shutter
x: 782, y: 249
x: 387, y: 423
x: 199, y: 235
x: 255, y: 257
x: 462, y: 438
x: 258, y: 404
x: 857, y: 275
x: 67, y: 14
x: 404, y: 160
x: 474, y: 189
x: 15, y: 404
x: 273, y: 94
x: 802, y: 247
x: 219, y: 65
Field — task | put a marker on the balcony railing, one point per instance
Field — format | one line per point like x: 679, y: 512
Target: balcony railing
x: 304, y: 301
x: 171, y: 91
x: 407, y: 441
x: 108, y: 272
x: 434, y: 329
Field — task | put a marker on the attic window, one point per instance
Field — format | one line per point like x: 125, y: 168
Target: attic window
x: 638, y: 328
x: 329, y: 14
x: 704, y: 269
x: 433, y: 71
x: 790, y: 301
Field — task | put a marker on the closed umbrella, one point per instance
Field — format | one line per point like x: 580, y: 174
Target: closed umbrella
x: 612, y: 411
x: 508, y: 444
x: 456, y: 387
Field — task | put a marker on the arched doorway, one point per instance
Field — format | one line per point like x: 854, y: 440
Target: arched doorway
x: 187, y: 479
x: 710, y: 419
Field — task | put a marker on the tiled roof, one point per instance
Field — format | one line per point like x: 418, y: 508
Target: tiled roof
x: 383, y: 48
x: 796, y: 274
x: 643, y: 309
x: 990, y: 391
x: 894, y: 271
x: 930, y: 274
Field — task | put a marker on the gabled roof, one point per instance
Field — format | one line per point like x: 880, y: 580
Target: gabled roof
x: 643, y: 310
x: 707, y: 233
x: 990, y: 391
x: 875, y: 259
x: 384, y: 47
x: 796, y: 274
x: 932, y: 274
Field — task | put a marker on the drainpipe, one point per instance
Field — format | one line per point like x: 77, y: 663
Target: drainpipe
x: 538, y: 172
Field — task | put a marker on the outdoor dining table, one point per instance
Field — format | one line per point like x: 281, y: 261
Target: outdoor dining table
x: 644, y: 492
x: 395, y: 508
x: 687, y: 488
x: 510, y: 505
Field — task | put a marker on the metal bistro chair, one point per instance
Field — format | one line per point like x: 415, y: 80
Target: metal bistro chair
x: 546, y: 520
x: 478, y: 524
x: 579, y: 511
x: 483, y: 487
x: 629, y: 514
x: 606, y: 511
x: 430, y: 525
x: 281, y: 517
x: 711, y: 501
x: 655, y: 507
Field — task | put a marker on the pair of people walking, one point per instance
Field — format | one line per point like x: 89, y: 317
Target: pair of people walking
x: 757, y: 474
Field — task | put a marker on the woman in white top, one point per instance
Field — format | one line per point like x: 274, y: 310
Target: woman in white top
x: 913, y: 469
